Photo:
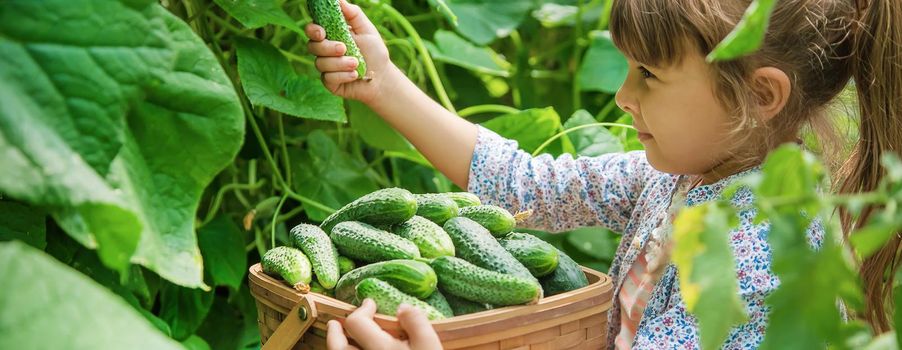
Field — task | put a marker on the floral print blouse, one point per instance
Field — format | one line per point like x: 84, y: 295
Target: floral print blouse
x: 622, y: 192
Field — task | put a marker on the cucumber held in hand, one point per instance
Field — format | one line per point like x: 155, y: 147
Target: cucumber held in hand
x: 432, y: 240
x: 388, y: 298
x: 540, y: 257
x: 387, y: 206
x: 410, y: 276
x: 327, y: 14
x: 437, y: 207
x: 363, y: 242
x: 290, y: 264
x: 315, y: 243
x: 461, y: 278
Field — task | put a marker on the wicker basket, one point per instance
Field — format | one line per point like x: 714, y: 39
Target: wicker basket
x: 572, y: 320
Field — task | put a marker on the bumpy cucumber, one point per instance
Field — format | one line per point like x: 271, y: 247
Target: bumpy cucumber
x: 464, y: 199
x: 471, y: 282
x: 437, y: 207
x: 540, y: 257
x: 496, y: 219
x: 345, y: 265
x: 362, y: 242
x: 410, y: 276
x: 475, y: 244
x: 461, y: 306
x: 327, y: 13
x: 290, y: 264
x: 315, y: 243
x: 387, y: 206
x: 429, y: 237
x: 388, y: 298
x: 438, y: 301
x: 566, y: 277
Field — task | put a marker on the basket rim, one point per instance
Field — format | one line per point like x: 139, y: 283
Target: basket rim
x: 599, y: 285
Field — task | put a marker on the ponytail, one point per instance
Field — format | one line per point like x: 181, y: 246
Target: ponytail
x: 877, y: 70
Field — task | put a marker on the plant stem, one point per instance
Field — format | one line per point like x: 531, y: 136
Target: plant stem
x: 427, y: 58
x: 217, y: 201
x: 478, y: 109
x: 562, y: 133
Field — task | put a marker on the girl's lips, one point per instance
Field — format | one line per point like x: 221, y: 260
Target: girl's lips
x: 644, y: 136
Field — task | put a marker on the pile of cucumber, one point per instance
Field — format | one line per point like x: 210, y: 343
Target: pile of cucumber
x: 445, y: 253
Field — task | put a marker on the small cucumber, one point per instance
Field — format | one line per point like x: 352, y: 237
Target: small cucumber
x: 475, y: 244
x: 461, y: 306
x: 410, y: 276
x: 437, y: 207
x: 540, y: 257
x: 566, y: 277
x: 328, y: 14
x: 315, y: 243
x: 290, y: 264
x: 388, y: 298
x: 362, y: 242
x: 345, y: 265
x: 387, y: 206
x: 471, y: 282
x: 429, y: 237
x: 438, y: 301
x: 464, y: 199
x: 496, y: 219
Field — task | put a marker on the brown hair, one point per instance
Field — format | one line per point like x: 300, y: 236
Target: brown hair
x: 821, y: 45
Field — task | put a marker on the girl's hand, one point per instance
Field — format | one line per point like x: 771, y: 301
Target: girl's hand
x: 361, y: 327
x: 339, y: 73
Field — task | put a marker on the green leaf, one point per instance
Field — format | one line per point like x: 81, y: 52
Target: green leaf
x: 707, y: 270
x: 455, y: 50
x: 258, y: 13
x: 596, y: 242
x: 327, y: 174
x: 553, y: 15
x: 53, y: 307
x: 270, y: 81
x: 867, y: 240
x: 746, y: 38
x: 184, y: 309
x: 224, y: 326
x: 790, y: 172
x: 77, y: 86
x: 481, y: 21
x: 195, y: 343
x: 222, y: 246
x: 603, y: 68
x: 27, y: 224
x: 530, y: 127
x: 591, y: 141
x: 374, y: 130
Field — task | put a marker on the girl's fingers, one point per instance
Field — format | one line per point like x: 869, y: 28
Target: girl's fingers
x: 365, y: 331
x: 333, y: 80
x: 336, y: 64
x: 358, y: 21
x: 326, y: 48
x: 315, y: 32
x: 420, y: 333
x: 335, y: 336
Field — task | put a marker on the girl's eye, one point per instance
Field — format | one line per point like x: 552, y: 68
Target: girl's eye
x: 646, y: 74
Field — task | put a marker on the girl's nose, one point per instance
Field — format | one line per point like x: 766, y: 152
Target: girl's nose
x: 626, y: 100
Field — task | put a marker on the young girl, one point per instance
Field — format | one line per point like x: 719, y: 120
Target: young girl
x: 702, y: 124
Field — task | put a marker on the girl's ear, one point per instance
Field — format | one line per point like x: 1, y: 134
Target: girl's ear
x: 772, y: 89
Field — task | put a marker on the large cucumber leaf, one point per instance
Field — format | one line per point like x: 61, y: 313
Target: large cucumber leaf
x: 115, y: 120
x: 47, y: 305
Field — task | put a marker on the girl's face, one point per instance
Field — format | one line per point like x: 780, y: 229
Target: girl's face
x: 680, y: 122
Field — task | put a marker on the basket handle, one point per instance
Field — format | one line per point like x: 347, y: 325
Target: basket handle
x: 293, y: 327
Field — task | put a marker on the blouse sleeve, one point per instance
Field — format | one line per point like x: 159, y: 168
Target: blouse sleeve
x: 562, y: 193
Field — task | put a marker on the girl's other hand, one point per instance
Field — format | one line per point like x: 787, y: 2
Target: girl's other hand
x: 361, y: 327
x: 339, y: 73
